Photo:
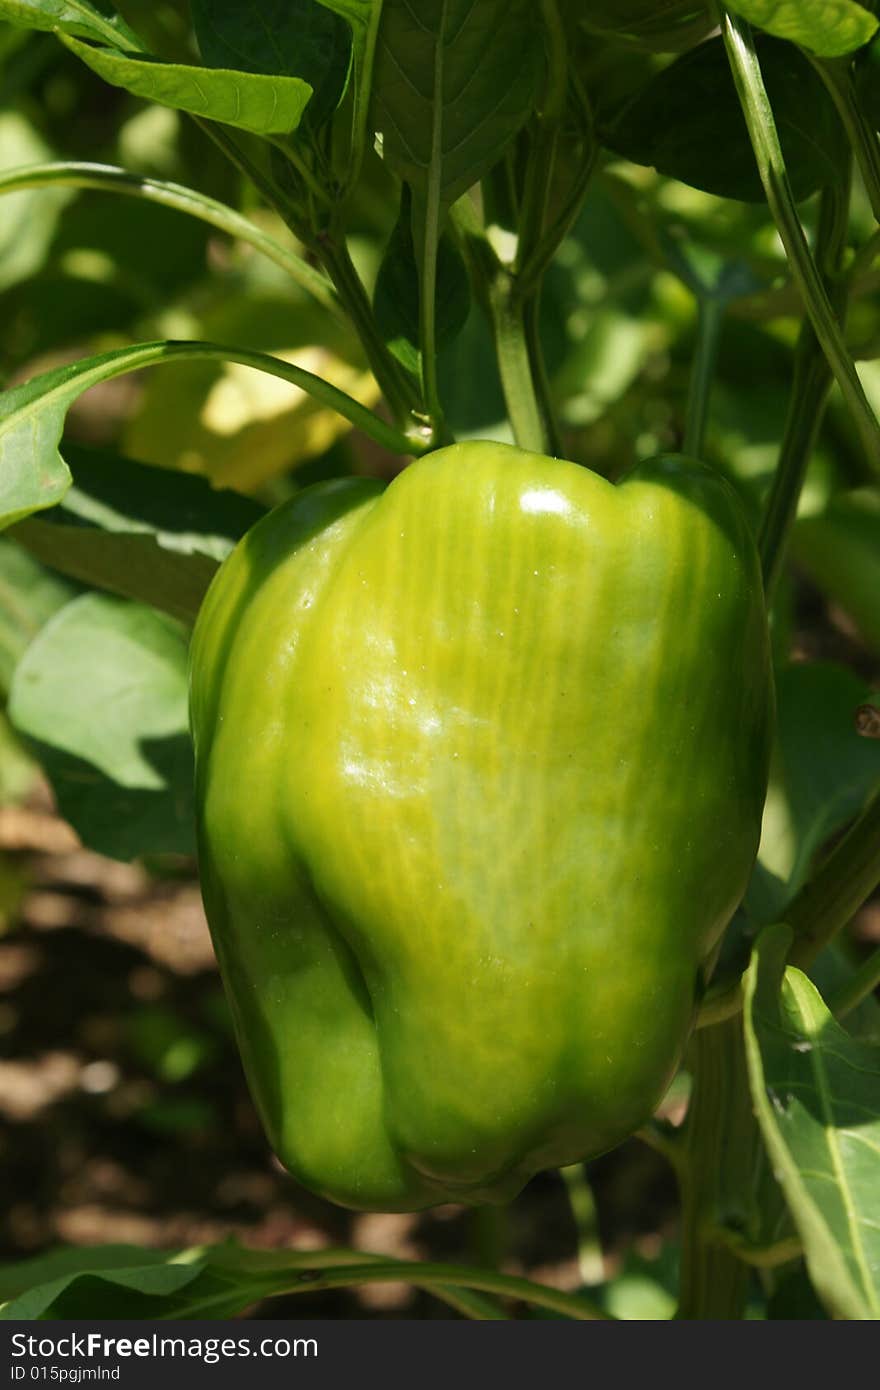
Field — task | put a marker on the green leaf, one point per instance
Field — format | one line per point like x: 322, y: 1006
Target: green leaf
x: 827, y: 27
x: 688, y: 123
x: 816, y: 1092
x: 102, y: 689
x: 454, y: 80
x: 146, y: 533
x: 823, y: 775
x: 29, y: 595
x: 119, y: 1279
x: 396, y: 296
x: 291, y: 38
x: 832, y: 973
x: 75, y: 17
x: 261, y: 104
x: 33, y: 475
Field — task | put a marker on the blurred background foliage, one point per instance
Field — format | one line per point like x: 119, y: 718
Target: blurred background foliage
x: 127, y: 1116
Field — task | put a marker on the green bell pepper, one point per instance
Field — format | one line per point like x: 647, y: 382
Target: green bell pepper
x: 481, y: 761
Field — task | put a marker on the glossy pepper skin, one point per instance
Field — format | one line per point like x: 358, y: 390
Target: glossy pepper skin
x: 481, y: 760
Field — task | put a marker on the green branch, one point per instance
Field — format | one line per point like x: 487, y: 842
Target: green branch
x: 528, y: 414
x: 809, y: 394
x: 93, y: 370
x: 722, y: 1001
x: 710, y: 318
x: 393, y: 382
x: 106, y: 178
x: 761, y: 125
x: 863, y: 138
x: 769, y: 1256
x: 721, y: 1139
x: 434, y: 1276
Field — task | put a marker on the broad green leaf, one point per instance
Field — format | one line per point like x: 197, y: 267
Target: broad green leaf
x: 71, y: 1262
x: 121, y: 1277
x: 826, y: 27
x: 832, y: 972
x: 688, y: 123
x: 823, y: 774
x: 150, y: 534
x: 102, y: 690
x: 453, y: 82
x: 816, y: 1092
x: 292, y: 38
x: 33, y: 475
x: 29, y: 595
x: 396, y: 296
x: 839, y: 548
x: 75, y: 17
x: 261, y: 104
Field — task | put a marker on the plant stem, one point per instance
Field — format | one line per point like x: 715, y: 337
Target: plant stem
x: 531, y: 312
x: 513, y: 292
x: 542, y: 159
x: 665, y: 1140
x: 117, y: 362
x: 428, y: 1276
x: 529, y: 414
x: 331, y: 247
x: 863, y: 260
x: 771, y: 166
x: 769, y: 1256
x: 427, y: 212
x: 863, y: 138
x: 108, y: 179
x: 397, y: 390
x: 720, y: 1003
x: 806, y: 408
x: 721, y: 1140
x: 366, y: 34
x: 835, y: 893
x: 586, y: 1223
x: 710, y: 317
x: 488, y: 1235
x: 809, y: 394
x: 860, y: 984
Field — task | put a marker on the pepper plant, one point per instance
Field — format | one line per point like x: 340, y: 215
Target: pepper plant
x: 482, y: 753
